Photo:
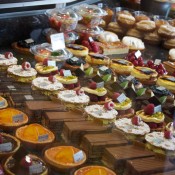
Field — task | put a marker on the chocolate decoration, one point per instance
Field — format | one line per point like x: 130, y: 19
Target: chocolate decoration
x: 97, y: 79
x: 154, y: 100
x: 116, y: 87
x: 98, y: 56
x: 24, y: 44
x: 79, y: 73
x: 130, y: 93
x: 76, y: 63
x: 160, y: 91
x: 22, y: 152
x: 123, y: 62
x: 105, y: 72
x: 146, y: 71
x: 75, y: 47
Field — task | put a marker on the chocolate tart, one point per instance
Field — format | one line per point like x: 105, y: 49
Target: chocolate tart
x: 3, y: 103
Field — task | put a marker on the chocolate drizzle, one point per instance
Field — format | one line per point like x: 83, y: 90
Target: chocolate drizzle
x: 75, y: 47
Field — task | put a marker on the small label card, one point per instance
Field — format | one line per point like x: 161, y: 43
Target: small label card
x: 18, y: 118
x: 100, y: 85
x: 129, y: 78
x: 158, y: 108
x: 138, y: 54
x: 6, y: 146
x: 43, y: 137
x: 103, y: 68
x: 157, y: 61
x: 67, y: 73
x: 91, y: 39
x: 171, y: 79
x: 35, y: 169
x: 74, y: 59
x: 78, y: 156
x: 51, y: 63
x: 28, y: 41
x: 28, y: 97
x: 2, y: 103
x: 122, y: 62
x: 82, y: 67
x: 160, y: 88
x: 121, y: 98
x: 57, y: 41
x: 12, y: 88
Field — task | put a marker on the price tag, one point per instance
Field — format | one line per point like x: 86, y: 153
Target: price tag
x: 82, y: 67
x: 12, y: 88
x: 138, y: 54
x: 129, y: 78
x: 157, y: 109
x: 161, y: 88
x: 67, y: 73
x: 28, y: 41
x: 74, y: 59
x: 157, y: 62
x: 2, y: 103
x: 28, y: 97
x: 171, y: 79
x: 78, y: 156
x: 51, y: 63
x: 100, y: 85
x: 43, y: 137
x: 18, y: 118
x: 121, y: 98
x: 103, y: 68
x: 57, y: 41
x: 35, y: 169
x: 91, y: 39
x: 6, y: 146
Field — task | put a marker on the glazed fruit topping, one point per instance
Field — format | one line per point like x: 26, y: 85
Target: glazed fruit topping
x: 80, y: 92
x: 8, y: 55
x: 77, y: 62
x: 149, y: 109
x: 109, y: 105
x: 52, y: 79
x: 92, y: 85
x: 26, y: 162
x: 26, y: 65
x: 168, y: 134
x: 136, y: 120
x: 92, y: 46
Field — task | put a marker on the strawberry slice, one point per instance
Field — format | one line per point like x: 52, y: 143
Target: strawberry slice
x: 109, y: 105
x: 80, y: 92
x: 26, y: 65
x: 52, y: 79
x: 8, y: 55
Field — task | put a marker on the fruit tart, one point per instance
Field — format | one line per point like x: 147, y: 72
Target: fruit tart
x: 161, y: 142
x: 8, y: 145
x: 22, y: 73
x: 68, y: 80
x: 154, y: 119
x: 121, y: 66
x: 34, y: 136
x: 103, y: 114
x: 133, y: 128
x: 7, y: 59
x: 30, y: 164
x: 11, y: 119
x: 74, y: 99
x: 3, y: 103
x: 63, y: 158
x: 47, y: 85
x: 94, y: 170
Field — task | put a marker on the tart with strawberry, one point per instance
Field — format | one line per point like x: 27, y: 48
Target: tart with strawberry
x: 154, y: 119
x: 104, y: 114
x: 47, y: 85
x: 7, y: 59
x: 133, y: 128
x: 161, y: 142
x: 68, y: 80
x: 22, y: 73
x: 74, y: 99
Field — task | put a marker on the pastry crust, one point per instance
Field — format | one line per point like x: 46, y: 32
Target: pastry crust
x: 167, y: 31
x: 152, y: 38
x: 116, y: 28
x: 146, y: 26
x: 135, y: 33
x: 42, y: 69
x: 169, y: 44
x: 74, y: 67
x: 21, y: 49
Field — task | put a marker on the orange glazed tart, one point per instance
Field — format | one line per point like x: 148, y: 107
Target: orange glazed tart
x: 11, y: 118
x: 8, y: 145
x: 94, y: 170
x: 35, y: 135
x: 62, y: 157
x: 3, y: 103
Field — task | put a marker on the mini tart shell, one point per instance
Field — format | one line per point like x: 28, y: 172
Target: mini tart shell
x: 67, y: 80
x: 124, y: 105
x: 83, y: 170
x: 21, y: 49
x: 10, y: 126
x: 10, y: 153
x: 166, y: 83
x: 40, y: 68
x: 34, y: 144
x: 8, y: 172
x: 5, y: 103
x: 79, y: 53
x: 50, y: 153
x: 22, y: 79
x: 74, y: 67
x: 120, y: 68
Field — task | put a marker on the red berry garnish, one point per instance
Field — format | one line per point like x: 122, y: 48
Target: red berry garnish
x: 93, y: 85
x: 136, y: 120
x: 152, y: 125
x: 61, y: 72
x: 140, y: 59
x: 1, y: 139
x: 149, y: 109
x: 168, y: 134
x: 87, y: 44
x: 26, y: 65
x: 95, y: 47
x: 151, y: 66
x: 52, y: 79
x: 140, y: 63
x: 45, y: 61
x: 115, y: 96
x: 8, y: 55
x: 109, y: 105
x: 26, y: 162
x: 161, y: 66
x: 102, y: 98
x: 93, y: 98
x: 150, y: 62
x: 80, y: 92
x: 173, y: 74
x: 135, y: 62
x: 132, y: 58
x: 70, y: 86
x: 160, y: 72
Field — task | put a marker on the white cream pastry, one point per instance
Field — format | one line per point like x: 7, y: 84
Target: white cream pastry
x: 133, y: 43
x: 172, y: 54
x: 125, y: 124
x: 107, y: 36
x: 7, y: 62
x: 146, y: 25
x: 167, y: 31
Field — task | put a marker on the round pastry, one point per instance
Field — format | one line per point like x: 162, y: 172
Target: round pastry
x: 121, y: 66
x: 104, y: 114
x: 75, y: 63
x: 78, y: 50
x: 7, y: 59
x: 145, y: 75
x: 146, y: 26
x: 133, y: 43
x: 22, y: 73
x: 125, y: 20
x: 152, y: 38
x: 107, y: 36
x: 102, y: 24
x: 133, y: 128
x: 9, y: 145
x: 11, y: 118
x: 141, y: 16
x: 62, y: 157
x: 47, y: 85
x: 28, y: 165
x: 169, y: 44
x: 116, y: 28
x: 3, y: 103
x: 97, y: 59
x: 97, y: 170
x: 108, y: 17
x: 160, y: 22
x: 34, y: 136
x: 135, y: 33
x: 161, y: 143
x: 166, y: 31
x: 172, y: 54
x: 74, y: 99
x: 168, y: 82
